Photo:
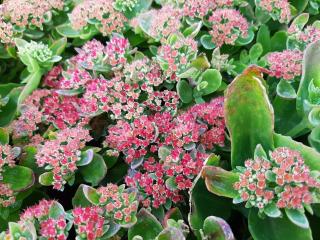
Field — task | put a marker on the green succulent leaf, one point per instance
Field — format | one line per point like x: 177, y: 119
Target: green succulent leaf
x: 220, y: 181
x: 217, y: 228
x: 184, y: 91
x: 297, y: 217
x: 249, y: 116
x: 275, y: 228
x: 46, y: 179
x: 310, y: 72
x: 147, y: 226
x: 95, y: 171
x: 66, y: 30
x: 212, y: 79
x: 206, y: 41
x: 285, y: 90
x: 20, y: 178
x: 4, y: 136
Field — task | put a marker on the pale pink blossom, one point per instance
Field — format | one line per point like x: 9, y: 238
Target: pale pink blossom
x: 227, y: 26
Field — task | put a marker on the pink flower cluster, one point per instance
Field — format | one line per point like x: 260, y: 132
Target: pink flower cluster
x: 49, y: 228
x: 145, y: 72
x: 115, y: 51
x: 109, y: 20
x: 176, y: 57
x: 113, y: 95
x: 200, y: 8
x: 178, y: 144
x: 31, y: 115
x: 73, y: 79
x: 6, y: 157
x: 304, y: 36
x: 7, y: 197
x: 278, y: 9
x: 6, y: 31
x: 164, y: 22
x: 62, y: 154
x: 47, y: 106
x: 284, y: 180
x: 89, y: 222
x: 227, y: 26
x: 30, y: 12
x: 119, y: 203
x: 132, y: 139
x: 286, y: 64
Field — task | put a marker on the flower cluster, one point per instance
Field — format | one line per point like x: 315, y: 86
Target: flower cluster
x: 47, y: 227
x: 164, y: 21
x: 100, y: 12
x: 286, y: 64
x: 132, y: 139
x: 304, y: 37
x: 7, y: 197
x: 115, y: 51
x: 201, y: 8
x: 113, y: 95
x: 39, y: 51
x: 285, y: 180
x: 31, y: 115
x: 227, y: 26
x: 6, y: 32
x: 24, y: 13
x: 119, y: 203
x: 181, y: 154
x: 62, y: 154
x: 278, y: 9
x: 73, y: 79
x: 46, y: 106
x: 175, y: 56
x: 89, y: 222
x: 95, y: 56
x: 145, y: 72
x: 6, y: 157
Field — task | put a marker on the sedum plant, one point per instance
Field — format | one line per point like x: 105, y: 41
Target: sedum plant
x: 159, y: 119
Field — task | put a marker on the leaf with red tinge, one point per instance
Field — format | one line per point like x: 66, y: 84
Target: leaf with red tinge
x: 220, y: 181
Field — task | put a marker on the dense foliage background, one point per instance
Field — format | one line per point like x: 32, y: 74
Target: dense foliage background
x: 160, y: 119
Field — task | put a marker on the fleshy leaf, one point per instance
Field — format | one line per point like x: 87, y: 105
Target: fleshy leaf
x: 20, y: 178
x: 95, y: 171
x: 310, y: 71
x: 217, y: 228
x: 184, y: 91
x: 213, y: 79
x: 297, y: 217
x: 147, y: 226
x: 275, y: 228
x: 220, y: 181
x: 249, y: 116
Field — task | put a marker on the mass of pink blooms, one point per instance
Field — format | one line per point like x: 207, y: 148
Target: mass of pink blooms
x: 227, y: 26
x: 62, y: 153
x: 284, y: 180
x: 101, y: 11
x: 278, y: 9
x: 7, y: 196
x: 119, y: 203
x: 177, y: 55
x: 200, y: 8
x: 286, y: 65
x: 49, y: 227
x: 180, y: 140
x: 6, y: 157
x: 89, y: 222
